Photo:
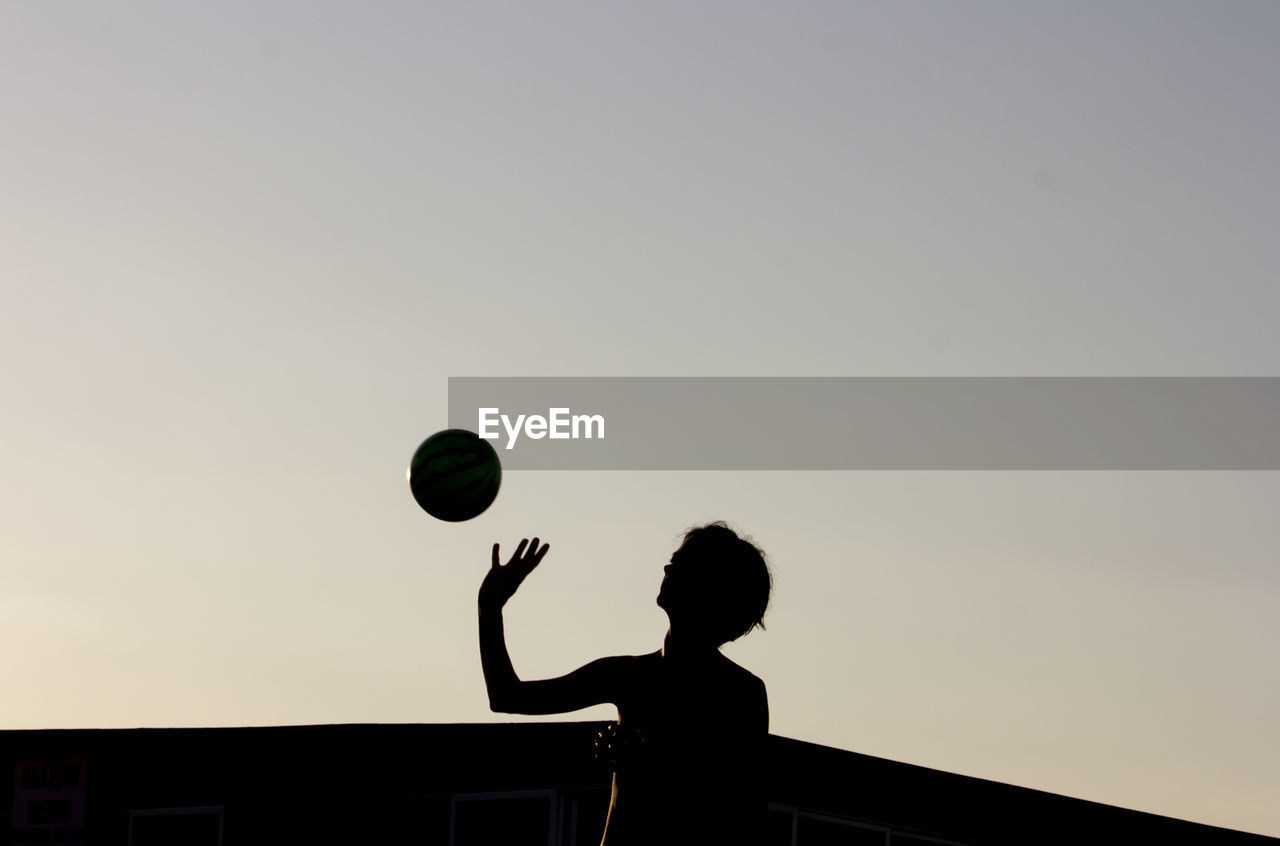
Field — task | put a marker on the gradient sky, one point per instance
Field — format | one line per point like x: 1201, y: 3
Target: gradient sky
x: 243, y: 245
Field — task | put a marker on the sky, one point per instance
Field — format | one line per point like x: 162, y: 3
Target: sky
x: 244, y: 245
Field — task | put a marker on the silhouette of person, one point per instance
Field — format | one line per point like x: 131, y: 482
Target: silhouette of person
x: 688, y: 751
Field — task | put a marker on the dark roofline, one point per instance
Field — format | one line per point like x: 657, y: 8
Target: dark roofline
x: 136, y: 766
x: 979, y: 810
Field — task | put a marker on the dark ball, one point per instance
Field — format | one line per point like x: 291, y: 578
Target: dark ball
x: 455, y: 475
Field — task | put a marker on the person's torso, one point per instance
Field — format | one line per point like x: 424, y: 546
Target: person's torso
x: 695, y: 742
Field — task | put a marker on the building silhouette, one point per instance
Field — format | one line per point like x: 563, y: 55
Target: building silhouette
x: 480, y: 784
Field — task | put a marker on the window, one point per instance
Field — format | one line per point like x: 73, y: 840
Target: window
x: 780, y: 829
x: 518, y: 818
x: 582, y: 816
x: 165, y: 826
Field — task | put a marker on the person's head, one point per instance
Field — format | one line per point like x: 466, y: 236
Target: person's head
x: 717, y: 582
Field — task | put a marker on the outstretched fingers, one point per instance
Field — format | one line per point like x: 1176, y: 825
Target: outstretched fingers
x: 527, y: 555
x: 526, y: 558
x: 501, y: 582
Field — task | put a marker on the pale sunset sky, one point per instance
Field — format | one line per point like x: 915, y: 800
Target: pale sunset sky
x: 243, y: 245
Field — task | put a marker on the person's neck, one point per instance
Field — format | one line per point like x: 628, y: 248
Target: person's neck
x: 682, y: 646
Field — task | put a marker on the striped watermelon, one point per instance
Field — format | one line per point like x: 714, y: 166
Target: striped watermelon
x: 455, y: 475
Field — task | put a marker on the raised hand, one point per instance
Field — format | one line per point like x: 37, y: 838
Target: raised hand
x: 501, y: 582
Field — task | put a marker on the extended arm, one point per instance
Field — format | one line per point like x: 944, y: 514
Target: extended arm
x: 588, y: 685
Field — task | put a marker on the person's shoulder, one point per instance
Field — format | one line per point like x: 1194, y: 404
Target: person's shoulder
x: 751, y: 698
x: 625, y: 674
x: 648, y: 657
x: 649, y: 660
x: 740, y: 673
x: 629, y: 662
